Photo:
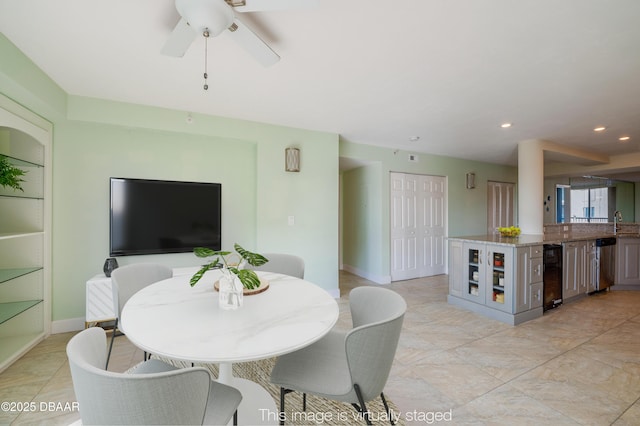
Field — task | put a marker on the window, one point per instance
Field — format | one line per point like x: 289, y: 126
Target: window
x: 584, y: 205
x: 589, y: 205
x: 562, y: 203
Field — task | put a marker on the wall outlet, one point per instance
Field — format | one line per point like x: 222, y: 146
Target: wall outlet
x: 413, y: 158
x: 291, y: 220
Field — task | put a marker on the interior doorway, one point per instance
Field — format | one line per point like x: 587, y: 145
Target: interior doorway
x: 418, y: 225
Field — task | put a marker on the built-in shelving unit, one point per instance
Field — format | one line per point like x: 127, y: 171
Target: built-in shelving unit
x: 25, y: 313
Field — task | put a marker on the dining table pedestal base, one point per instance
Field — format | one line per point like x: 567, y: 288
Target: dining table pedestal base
x: 258, y: 406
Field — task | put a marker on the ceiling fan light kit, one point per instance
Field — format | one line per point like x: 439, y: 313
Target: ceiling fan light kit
x: 212, y: 17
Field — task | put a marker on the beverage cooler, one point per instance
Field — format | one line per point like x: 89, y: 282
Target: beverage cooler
x: 552, y: 277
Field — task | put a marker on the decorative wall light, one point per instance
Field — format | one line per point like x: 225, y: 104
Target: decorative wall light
x: 292, y: 160
x: 471, y: 180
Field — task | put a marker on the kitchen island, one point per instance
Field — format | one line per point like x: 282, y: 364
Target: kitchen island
x: 502, y: 277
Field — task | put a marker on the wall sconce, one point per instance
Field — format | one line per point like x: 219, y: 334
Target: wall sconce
x: 292, y: 160
x: 471, y: 180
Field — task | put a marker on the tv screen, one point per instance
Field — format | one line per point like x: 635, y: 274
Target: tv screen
x: 156, y: 216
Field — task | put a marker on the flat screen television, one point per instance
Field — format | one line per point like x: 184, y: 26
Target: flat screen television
x: 159, y: 216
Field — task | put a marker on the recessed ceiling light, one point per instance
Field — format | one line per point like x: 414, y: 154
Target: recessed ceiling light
x: 506, y: 125
x: 599, y: 129
x: 414, y: 138
x: 624, y: 138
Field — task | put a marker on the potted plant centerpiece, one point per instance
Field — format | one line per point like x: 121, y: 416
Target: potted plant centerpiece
x: 235, y: 280
x: 10, y: 176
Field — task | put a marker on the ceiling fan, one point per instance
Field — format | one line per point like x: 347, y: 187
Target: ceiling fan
x: 209, y: 18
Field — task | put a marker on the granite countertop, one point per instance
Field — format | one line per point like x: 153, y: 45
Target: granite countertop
x: 531, y: 240
x: 628, y: 235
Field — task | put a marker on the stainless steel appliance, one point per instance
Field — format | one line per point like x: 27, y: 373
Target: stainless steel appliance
x: 552, y: 278
x: 606, y: 262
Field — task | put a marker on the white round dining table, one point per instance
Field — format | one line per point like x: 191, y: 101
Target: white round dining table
x: 174, y: 320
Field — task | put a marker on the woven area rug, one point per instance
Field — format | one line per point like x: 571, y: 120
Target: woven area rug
x: 320, y: 411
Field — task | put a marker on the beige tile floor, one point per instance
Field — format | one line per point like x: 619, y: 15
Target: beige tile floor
x: 577, y: 365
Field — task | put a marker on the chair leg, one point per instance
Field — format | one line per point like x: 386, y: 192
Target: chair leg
x: 283, y: 392
x: 235, y: 418
x: 386, y: 408
x: 113, y: 336
x: 362, y: 408
x: 304, y: 402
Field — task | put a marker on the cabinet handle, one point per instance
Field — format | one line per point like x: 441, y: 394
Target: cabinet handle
x: 489, y: 258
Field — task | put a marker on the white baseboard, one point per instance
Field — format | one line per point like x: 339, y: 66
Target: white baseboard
x: 67, y: 325
x: 378, y: 279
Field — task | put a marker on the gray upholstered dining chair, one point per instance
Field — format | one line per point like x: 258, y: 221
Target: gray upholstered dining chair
x: 153, y: 393
x: 282, y: 263
x: 352, y: 365
x: 126, y: 281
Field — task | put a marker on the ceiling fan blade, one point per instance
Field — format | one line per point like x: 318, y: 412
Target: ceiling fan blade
x: 179, y: 41
x: 253, y: 44
x: 266, y: 5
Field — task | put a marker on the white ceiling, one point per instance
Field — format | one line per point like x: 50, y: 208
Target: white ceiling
x: 375, y: 71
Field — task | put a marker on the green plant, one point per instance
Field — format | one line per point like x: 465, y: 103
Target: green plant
x: 10, y: 175
x: 248, y: 278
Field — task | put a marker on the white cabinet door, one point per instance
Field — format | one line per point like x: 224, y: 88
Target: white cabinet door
x: 521, y: 280
x: 569, y: 270
x: 456, y: 278
x: 628, y: 261
x: 573, y: 268
x: 591, y: 267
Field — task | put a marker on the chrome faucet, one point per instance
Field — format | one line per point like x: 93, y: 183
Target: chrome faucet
x: 617, y: 218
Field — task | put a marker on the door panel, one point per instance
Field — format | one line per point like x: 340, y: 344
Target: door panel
x: 418, y: 226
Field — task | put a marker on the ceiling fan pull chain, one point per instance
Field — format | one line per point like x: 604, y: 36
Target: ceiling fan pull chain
x: 206, y: 39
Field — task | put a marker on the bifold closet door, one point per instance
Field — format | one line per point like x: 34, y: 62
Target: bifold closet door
x: 418, y: 225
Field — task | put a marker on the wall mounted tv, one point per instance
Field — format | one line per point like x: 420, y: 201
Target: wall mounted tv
x: 158, y: 216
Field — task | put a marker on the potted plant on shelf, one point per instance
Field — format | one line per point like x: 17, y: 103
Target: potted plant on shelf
x: 10, y: 176
x: 247, y: 277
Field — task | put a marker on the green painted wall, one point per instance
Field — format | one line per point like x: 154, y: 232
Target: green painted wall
x: 95, y: 139
x: 366, y: 217
x: 363, y: 245
x: 626, y: 200
x: 26, y: 84
x: 87, y: 154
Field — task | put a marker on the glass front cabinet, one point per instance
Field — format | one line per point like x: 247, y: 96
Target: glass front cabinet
x: 500, y: 281
x: 25, y: 314
x: 474, y: 286
x: 489, y: 275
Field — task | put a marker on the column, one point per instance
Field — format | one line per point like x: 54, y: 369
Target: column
x: 531, y: 186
